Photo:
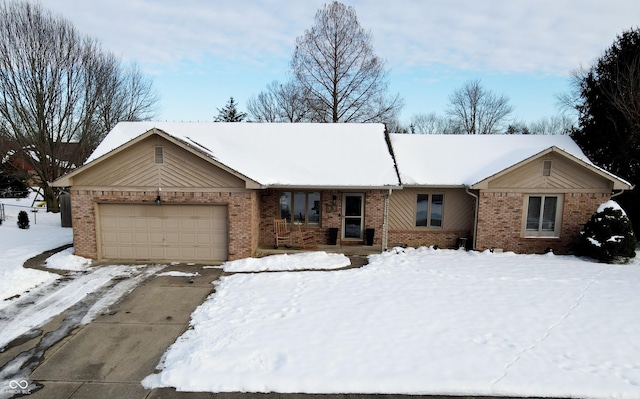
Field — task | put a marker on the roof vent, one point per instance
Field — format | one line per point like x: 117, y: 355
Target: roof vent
x: 159, y: 154
x: 546, y: 168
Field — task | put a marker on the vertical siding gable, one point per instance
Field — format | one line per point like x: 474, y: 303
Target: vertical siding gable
x: 137, y: 167
x: 564, y: 175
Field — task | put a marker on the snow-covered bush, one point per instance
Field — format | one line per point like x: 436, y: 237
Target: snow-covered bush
x: 23, y: 220
x: 608, y: 235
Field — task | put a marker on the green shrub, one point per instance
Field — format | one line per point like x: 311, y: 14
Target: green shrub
x: 23, y: 220
x: 608, y: 235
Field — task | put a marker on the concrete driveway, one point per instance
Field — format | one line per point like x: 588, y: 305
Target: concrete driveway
x: 110, y: 356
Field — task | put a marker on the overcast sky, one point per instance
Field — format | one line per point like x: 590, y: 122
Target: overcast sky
x: 202, y: 52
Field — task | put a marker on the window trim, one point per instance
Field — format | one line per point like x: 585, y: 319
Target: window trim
x: 539, y: 233
x: 291, y: 219
x: 428, y: 221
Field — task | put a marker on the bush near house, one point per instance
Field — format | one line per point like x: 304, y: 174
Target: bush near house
x: 23, y: 220
x: 608, y: 235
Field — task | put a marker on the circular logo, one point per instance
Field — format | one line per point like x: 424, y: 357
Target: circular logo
x: 22, y: 384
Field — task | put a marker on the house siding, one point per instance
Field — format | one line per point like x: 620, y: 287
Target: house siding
x: 500, y: 219
x: 242, y: 208
x: 457, y: 220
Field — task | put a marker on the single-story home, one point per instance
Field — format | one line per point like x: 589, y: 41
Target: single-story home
x: 211, y: 191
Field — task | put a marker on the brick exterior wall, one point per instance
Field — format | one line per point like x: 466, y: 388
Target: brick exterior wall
x: 500, y: 218
x: 427, y: 238
x: 329, y: 214
x: 242, y: 208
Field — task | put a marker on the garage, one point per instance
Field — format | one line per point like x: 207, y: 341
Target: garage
x: 193, y: 233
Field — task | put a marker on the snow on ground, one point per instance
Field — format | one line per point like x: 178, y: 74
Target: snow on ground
x: 178, y: 274
x: 301, y: 261
x: 17, y: 246
x: 419, y: 322
x: 66, y: 260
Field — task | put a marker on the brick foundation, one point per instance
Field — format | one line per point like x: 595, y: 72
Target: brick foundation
x: 500, y: 219
x: 242, y: 208
x: 427, y: 238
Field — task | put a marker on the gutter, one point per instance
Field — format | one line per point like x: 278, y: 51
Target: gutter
x: 475, y: 216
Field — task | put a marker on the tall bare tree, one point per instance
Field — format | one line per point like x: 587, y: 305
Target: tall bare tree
x: 335, y: 64
x: 279, y: 103
x: 478, y: 111
x: 59, y: 87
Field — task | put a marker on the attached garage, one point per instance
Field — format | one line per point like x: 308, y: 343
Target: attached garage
x: 178, y: 232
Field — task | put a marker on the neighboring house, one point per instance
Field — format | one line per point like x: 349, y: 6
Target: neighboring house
x: 211, y: 191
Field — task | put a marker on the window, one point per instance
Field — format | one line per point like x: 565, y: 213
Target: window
x: 303, y: 206
x: 429, y: 213
x: 543, y: 215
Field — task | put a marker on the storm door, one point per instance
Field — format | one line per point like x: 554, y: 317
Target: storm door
x: 353, y: 216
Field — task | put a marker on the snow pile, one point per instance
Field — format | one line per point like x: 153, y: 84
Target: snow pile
x: 419, y: 321
x: 301, y: 261
x: 66, y: 260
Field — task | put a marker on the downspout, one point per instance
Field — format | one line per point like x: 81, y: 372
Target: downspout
x: 618, y: 193
x: 475, y: 216
x: 385, y: 222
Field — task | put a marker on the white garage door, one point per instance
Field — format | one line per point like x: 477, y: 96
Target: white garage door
x: 167, y: 232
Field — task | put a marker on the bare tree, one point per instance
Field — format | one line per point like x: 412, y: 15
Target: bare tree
x: 279, y: 103
x: 433, y: 123
x: 558, y: 124
x: 477, y: 110
x: 58, y: 87
x: 335, y: 64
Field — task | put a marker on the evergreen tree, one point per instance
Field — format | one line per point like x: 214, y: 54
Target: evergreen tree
x: 230, y: 113
x: 607, y: 100
x: 23, y: 220
x: 608, y: 235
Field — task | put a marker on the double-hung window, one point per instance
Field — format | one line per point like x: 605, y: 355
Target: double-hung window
x: 543, y: 215
x: 429, y: 209
x: 302, y: 206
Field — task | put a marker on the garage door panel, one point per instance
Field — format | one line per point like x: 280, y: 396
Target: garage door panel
x: 167, y: 232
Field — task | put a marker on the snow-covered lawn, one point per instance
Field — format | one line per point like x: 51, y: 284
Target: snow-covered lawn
x: 17, y: 246
x: 419, y: 322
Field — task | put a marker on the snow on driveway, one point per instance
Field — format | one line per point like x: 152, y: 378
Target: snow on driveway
x: 419, y: 322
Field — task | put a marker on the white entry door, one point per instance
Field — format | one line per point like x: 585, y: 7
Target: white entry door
x: 352, y: 216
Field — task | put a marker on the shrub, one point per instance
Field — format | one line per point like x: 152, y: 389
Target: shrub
x: 23, y: 220
x: 608, y: 235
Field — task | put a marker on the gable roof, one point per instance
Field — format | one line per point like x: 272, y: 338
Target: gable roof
x: 465, y: 160
x: 278, y: 154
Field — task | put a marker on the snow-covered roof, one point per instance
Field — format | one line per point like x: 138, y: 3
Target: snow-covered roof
x: 457, y: 160
x: 280, y: 154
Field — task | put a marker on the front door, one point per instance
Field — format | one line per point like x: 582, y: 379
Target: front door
x: 353, y: 216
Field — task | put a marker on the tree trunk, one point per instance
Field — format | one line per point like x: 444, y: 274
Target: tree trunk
x: 51, y: 197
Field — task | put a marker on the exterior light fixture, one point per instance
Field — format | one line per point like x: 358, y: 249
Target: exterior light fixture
x: 158, y: 199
